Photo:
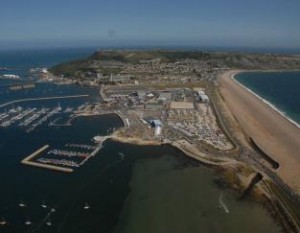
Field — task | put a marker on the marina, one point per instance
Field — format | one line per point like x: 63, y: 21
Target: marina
x: 63, y: 162
x: 68, y: 153
x: 113, y: 186
x: 63, y: 165
x: 32, y: 117
x: 27, y: 161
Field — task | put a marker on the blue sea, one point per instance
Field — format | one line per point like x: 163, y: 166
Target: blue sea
x: 129, y: 188
x: 281, y: 89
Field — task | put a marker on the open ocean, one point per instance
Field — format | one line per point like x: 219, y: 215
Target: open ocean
x: 134, y: 189
x: 281, y: 89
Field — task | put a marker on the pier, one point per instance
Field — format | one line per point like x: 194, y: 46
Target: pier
x: 99, y: 140
x: 27, y: 161
x: 53, y: 163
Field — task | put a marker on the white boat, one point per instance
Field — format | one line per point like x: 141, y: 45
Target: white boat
x: 28, y: 222
x: 11, y: 76
x: 22, y: 204
x: 43, y: 205
x: 49, y: 223
x: 3, y: 222
x: 86, y: 206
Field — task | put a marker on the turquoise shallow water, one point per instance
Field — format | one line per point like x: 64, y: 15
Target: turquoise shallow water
x: 282, y: 89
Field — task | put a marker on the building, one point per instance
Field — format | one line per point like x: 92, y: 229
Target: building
x: 181, y: 105
x: 156, y: 124
x: 204, y: 98
x: 202, y: 95
x: 141, y: 95
x: 157, y: 130
x: 165, y: 97
x: 153, y: 105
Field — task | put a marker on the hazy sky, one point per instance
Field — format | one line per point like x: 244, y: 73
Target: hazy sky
x: 251, y: 23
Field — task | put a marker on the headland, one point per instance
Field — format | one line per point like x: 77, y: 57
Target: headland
x: 190, y: 101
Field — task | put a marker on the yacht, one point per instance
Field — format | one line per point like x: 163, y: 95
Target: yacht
x: 3, y: 222
x: 49, y: 223
x: 43, y: 205
x: 28, y: 222
x: 86, y: 206
x: 22, y: 204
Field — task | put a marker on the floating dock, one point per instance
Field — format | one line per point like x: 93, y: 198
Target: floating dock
x: 27, y: 161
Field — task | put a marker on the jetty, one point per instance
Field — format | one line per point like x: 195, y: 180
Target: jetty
x: 43, y: 98
x: 27, y: 161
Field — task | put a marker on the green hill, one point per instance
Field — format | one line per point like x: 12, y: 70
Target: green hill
x: 112, y: 61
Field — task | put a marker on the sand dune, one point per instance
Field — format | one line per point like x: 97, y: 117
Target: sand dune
x: 276, y: 136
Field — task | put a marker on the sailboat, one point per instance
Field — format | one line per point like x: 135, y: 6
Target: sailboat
x: 86, y: 206
x: 43, y: 205
x: 22, y: 204
x: 28, y: 222
x: 3, y: 222
x: 49, y: 223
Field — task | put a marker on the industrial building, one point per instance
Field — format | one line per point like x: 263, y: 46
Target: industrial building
x: 165, y: 97
x: 156, y: 124
x: 202, y: 95
x: 181, y: 105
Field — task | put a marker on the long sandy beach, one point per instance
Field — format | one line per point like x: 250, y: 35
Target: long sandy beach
x: 274, y: 134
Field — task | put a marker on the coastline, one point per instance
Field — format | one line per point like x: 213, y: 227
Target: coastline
x: 276, y: 135
x: 239, y: 171
x: 283, y: 114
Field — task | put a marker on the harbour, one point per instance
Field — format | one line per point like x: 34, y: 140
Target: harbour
x: 63, y: 164
x: 110, y: 186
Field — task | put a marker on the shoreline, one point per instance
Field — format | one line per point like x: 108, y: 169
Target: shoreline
x: 273, y: 106
x: 274, y: 133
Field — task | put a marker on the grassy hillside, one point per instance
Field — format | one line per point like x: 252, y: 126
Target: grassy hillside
x: 98, y: 61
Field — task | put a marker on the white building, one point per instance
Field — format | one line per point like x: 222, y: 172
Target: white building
x: 157, y: 130
x: 204, y: 98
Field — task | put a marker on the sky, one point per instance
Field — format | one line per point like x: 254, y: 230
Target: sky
x: 199, y: 23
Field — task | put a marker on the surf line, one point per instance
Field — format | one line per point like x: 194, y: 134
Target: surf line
x: 222, y: 204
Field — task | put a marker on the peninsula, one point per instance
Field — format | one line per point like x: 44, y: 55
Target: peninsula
x: 189, y: 99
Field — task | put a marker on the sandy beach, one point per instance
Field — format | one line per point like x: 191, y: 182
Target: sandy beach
x: 275, y: 135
